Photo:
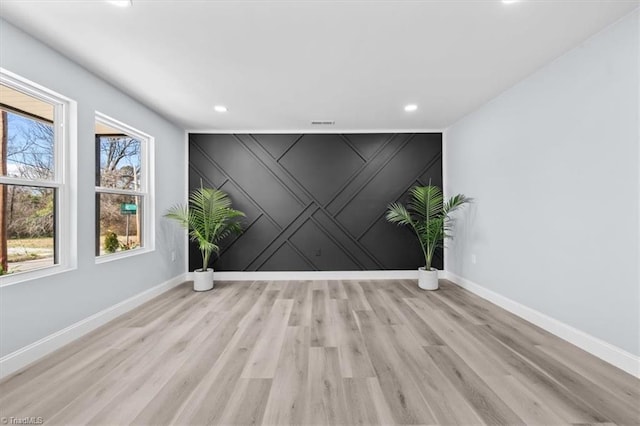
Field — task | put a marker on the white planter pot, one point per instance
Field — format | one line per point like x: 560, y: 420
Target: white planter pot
x: 428, y: 280
x: 203, y: 280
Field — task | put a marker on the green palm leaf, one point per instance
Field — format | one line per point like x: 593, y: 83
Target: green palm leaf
x: 427, y: 214
x: 209, y: 219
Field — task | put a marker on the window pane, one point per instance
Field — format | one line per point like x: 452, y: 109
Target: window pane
x: 119, y: 158
x: 27, y: 228
x: 28, y: 136
x: 120, y: 219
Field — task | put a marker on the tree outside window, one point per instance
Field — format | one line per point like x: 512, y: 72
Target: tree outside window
x: 121, y: 190
x: 29, y: 186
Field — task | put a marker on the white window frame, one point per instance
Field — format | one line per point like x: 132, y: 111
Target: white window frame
x: 64, y: 181
x: 146, y: 191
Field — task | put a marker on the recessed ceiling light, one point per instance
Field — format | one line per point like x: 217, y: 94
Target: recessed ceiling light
x: 510, y: 1
x: 411, y: 107
x: 121, y: 3
x: 220, y: 108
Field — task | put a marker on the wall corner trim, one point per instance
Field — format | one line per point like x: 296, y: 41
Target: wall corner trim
x: 27, y: 355
x: 609, y: 353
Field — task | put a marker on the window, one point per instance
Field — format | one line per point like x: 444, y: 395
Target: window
x: 123, y: 197
x: 35, y: 206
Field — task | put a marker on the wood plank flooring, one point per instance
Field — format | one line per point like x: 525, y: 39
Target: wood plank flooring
x: 321, y: 352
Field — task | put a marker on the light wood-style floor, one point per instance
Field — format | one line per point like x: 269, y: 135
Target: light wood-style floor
x: 321, y: 352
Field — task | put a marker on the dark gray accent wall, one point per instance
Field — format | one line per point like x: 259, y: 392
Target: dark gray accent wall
x: 316, y: 201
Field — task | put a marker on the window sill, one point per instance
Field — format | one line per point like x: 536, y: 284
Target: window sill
x: 105, y: 258
x: 21, y: 277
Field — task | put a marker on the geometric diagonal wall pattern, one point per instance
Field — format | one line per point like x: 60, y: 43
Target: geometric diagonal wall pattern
x: 316, y: 201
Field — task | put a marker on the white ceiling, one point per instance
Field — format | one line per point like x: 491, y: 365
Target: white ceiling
x: 278, y: 65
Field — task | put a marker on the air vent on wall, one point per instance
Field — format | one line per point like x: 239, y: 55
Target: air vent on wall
x: 322, y: 123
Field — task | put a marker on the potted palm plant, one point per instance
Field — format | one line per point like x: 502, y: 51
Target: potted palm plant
x: 209, y: 218
x: 428, y: 216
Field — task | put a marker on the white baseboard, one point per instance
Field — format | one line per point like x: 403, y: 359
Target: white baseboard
x: 612, y: 354
x: 19, y: 359
x: 311, y: 275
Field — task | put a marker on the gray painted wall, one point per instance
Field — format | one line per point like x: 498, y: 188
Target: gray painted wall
x: 553, y: 164
x: 316, y: 201
x: 32, y: 310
